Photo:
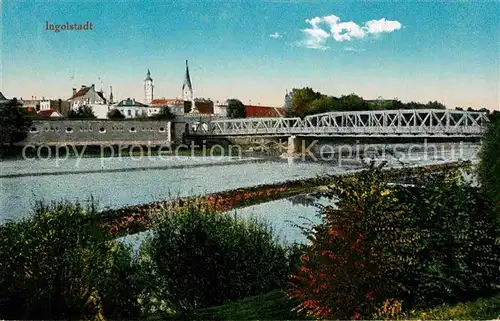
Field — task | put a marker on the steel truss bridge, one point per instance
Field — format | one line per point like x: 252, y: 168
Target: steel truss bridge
x: 405, y: 123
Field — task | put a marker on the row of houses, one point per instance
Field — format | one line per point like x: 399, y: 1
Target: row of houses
x: 131, y: 108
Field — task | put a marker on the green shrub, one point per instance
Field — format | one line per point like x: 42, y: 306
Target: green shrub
x: 455, y: 254
x: 58, y: 264
x: 423, y: 244
x: 489, y: 166
x: 342, y: 272
x: 201, y: 258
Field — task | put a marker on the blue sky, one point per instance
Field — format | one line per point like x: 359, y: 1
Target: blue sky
x: 255, y: 50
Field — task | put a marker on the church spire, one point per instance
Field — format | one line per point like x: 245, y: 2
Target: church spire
x: 187, y: 79
x: 148, y: 76
x: 111, y: 94
x: 187, y: 87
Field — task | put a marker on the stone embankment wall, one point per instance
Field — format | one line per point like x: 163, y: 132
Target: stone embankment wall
x: 109, y: 132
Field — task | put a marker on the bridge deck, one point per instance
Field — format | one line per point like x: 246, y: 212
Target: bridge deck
x: 411, y: 123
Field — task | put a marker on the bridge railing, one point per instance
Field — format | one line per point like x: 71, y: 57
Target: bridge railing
x: 386, y: 122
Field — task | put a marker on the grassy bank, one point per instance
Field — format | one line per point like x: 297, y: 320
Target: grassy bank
x: 276, y: 306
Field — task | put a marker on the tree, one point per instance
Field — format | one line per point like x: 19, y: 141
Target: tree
x: 489, y: 166
x: 322, y: 105
x: 164, y: 114
x: 83, y: 112
x: 301, y: 102
x: 13, y: 122
x: 235, y: 109
x: 115, y: 114
x: 353, y: 102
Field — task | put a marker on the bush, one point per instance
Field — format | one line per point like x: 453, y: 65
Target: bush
x: 59, y: 264
x: 489, y: 166
x: 200, y: 259
x: 115, y: 114
x: 455, y: 256
x: 342, y: 272
x: 423, y: 244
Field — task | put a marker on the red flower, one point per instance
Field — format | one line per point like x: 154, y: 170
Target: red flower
x: 356, y: 316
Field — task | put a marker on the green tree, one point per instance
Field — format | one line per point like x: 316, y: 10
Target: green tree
x: 435, y: 105
x: 164, y: 114
x: 352, y: 102
x: 489, y: 166
x: 13, y: 122
x: 83, y: 112
x: 301, y: 102
x: 235, y: 109
x: 115, y: 114
x: 323, y: 105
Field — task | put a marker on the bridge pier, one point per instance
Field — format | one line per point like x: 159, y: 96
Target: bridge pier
x: 293, y: 146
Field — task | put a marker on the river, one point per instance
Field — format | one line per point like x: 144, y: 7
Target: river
x: 116, y: 182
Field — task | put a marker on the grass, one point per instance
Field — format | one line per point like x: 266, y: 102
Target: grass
x: 271, y: 306
x: 481, y: 309
x: 275, y: 306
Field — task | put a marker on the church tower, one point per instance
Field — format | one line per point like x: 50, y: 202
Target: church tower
x: 148, y: 89
x: 111, y: 95
x: 187, y: 88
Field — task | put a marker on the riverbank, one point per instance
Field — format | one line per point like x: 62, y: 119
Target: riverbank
x: 138, y: 218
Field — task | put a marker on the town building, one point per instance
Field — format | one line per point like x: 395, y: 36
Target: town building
x: 175, y: 105
x: 89, y: 96
x: 32, y: 103
x: 3, y: 99
x: 288, y: 99
x: 263, y: 111
x: 381, y: 102
x: 220, y: 109
x: 148, y: 88
x: 49, y: 113
x: 59, y: 105
x: 131, y: 108
x: 202, y: 106
x: 86, y: 96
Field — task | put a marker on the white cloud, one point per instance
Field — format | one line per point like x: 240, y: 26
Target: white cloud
x: 352, y: 49
x: 275, y: 35
x: 316, y: 37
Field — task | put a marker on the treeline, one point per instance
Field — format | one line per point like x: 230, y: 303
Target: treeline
x: 306, y: 101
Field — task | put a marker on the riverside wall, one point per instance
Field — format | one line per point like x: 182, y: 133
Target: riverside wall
x: 104, y: 132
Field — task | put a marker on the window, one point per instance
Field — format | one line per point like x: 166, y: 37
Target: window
x: 132, y: 130
x: 162, y: 129
x: 136, y: 113
x: 33, y: 130
x: 102, y: 130
x: 129, y: 112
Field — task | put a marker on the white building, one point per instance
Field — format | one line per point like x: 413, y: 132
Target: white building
x: 220, y: 109
x: 175, y: 105
x: 86, y: 96
x: 131, y: 108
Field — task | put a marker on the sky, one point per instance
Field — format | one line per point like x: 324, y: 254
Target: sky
x: 255, y: 50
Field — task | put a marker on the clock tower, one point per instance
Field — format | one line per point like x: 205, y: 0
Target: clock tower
x: 148, y: 89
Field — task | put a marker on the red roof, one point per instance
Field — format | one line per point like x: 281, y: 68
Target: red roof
x: 263, y: 111
x: 165, y: 101
x: 47, y: 112
x: 81, y: 92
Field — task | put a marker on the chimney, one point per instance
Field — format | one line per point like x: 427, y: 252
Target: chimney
x: 74, y: 91
x: 93, y: 86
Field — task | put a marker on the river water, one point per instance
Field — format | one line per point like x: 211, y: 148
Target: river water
x: 116, y: 182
